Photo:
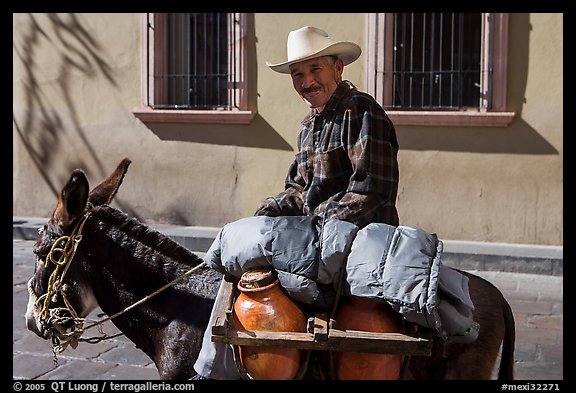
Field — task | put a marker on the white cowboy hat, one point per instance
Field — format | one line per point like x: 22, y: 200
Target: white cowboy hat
x: 310, y: 42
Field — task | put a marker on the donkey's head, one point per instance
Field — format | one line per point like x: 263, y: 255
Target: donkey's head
x: 52, y: 297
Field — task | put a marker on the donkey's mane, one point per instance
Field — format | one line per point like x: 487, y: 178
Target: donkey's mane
x: 153, y: 240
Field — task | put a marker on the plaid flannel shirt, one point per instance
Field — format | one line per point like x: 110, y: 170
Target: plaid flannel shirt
x: 346, y: 166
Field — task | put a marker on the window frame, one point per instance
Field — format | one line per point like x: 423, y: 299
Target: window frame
x: 492, y: 107
x: 150, y: 25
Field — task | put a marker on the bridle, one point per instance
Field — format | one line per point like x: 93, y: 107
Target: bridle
x: 54, y: 319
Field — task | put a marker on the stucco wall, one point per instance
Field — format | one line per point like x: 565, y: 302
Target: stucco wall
x: 77, y: 77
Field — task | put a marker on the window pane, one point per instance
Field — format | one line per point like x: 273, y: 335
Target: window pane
x: 196, y: 61
x: 436, y: 61
x: 209, y: 59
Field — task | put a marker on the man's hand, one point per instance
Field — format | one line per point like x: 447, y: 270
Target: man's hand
x: 269, y: 207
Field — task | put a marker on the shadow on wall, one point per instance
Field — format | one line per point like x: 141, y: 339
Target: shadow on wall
x: 259, y: 133
x: 45, y: 131
x: 518, y: 138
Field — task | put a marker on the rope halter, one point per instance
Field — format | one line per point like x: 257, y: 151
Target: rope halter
x: 55, y: 319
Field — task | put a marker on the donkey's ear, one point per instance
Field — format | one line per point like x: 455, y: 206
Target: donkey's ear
x: 72, y: 199
x: 104, y: 192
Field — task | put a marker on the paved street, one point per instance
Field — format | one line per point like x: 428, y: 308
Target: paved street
x: 536, y: 299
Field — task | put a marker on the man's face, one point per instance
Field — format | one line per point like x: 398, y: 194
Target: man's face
x: 315, y: 80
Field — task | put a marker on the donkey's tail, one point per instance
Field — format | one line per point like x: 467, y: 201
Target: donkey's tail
x: 506, y: 372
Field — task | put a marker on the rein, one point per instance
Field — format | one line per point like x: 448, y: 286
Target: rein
x: 54, y: 319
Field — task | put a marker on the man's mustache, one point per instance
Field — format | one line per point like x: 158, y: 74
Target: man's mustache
x: 307, y: 90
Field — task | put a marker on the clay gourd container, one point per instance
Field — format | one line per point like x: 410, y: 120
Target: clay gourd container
x: 263, y: 305
x: 363, y: 314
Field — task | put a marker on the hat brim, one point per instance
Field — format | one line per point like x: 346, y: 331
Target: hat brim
x: 348, y: 52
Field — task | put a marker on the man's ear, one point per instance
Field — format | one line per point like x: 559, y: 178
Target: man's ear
x: 339, y: 68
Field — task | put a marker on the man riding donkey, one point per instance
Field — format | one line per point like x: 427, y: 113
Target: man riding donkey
x: 343, y: 183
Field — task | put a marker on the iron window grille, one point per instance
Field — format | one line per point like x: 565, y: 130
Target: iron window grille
x: 436, y: 61
x: 196, y: 62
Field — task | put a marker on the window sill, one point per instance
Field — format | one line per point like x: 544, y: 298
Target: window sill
x: 148, y: 115
x: 457, y: 119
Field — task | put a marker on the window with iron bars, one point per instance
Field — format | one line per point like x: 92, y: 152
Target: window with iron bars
x: 195, y: 68
x: 439, y: 68
x: 436, y: 61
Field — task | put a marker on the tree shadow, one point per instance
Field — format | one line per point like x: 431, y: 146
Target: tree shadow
x: 45, y: 129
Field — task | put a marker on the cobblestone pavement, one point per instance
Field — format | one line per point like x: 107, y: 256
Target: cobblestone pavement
x: 536, y: 300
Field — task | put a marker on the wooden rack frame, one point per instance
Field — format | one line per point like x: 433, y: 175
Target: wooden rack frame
x: 320, y: 336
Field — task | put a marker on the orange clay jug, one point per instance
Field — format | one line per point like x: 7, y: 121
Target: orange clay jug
x: 364, y: 314
x: 263, y: 305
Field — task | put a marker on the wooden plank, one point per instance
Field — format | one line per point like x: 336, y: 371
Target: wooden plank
x: 392, y: 343
x: 338, y: 340
x: 222, y: 309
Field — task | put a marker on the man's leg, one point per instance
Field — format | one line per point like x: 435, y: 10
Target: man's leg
x: 216, y: 360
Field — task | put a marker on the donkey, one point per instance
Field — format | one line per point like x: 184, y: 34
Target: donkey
x: 112, y: 261
x: 117, y: 262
